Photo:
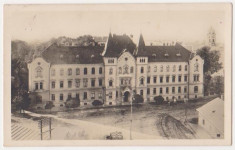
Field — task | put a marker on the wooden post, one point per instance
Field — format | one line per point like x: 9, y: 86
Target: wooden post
x: 41, y: 129
x: 50, y: 127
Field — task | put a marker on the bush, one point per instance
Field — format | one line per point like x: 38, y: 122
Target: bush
x: 97, y: 103
x: 72, y: 103
x: 159, y: 99
x: 138, y: 99
x: 49, y: 105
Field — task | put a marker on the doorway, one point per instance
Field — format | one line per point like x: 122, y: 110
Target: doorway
x: 126, y: 96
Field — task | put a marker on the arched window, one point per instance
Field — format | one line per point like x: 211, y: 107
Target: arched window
x: 93, y: 70
x: 161, y: 69
x: 132, y: 69
x: 38, y: 72
x: 180, y: 68
x: 141, y: 81
x: 53, y: 72
x: 125, y: 69
x: 167, y: 68
x: 110, y: 82
x: 111, y: 71
x: 196, y: 66
x: 185, y: 68
x: 195, y: 89
x: 120, y: 70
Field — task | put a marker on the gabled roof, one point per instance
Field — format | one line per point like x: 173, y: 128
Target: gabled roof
x: 213, y: 111
x: 55, y: 54
x: 116, y: 44
x: 176, y: 53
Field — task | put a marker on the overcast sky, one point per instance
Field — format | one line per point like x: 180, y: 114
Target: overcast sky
x: 155, y: 23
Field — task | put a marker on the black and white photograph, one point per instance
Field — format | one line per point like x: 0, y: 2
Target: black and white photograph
x: 117, y: 72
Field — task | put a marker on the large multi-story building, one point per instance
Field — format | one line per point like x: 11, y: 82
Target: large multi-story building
x: 114, y: 72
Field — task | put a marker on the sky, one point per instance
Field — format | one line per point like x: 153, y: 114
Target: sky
x: 155, y: 23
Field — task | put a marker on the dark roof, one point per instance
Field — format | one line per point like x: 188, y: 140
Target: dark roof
x: 73, y: 55
x: 117, y: 43
x: 176, y: 53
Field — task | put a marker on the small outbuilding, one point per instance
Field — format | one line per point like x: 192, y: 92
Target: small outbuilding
x: 211, y: 117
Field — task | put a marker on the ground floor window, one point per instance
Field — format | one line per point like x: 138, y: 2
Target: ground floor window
x: 195, y: 89
x: 100, y: 95
x: 93, y: 95
x: 52, y: 97
x: 61, y: 97
x: 141, y: 92
x: 195, y: 96
x: 85, y: 95
x: 110, y: 95
x: 154, y: 91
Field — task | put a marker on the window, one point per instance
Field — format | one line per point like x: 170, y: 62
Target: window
x: 100, y: 82
x: 100, y: 70
x: 61, y: 84
x: 160, y: 91
x: 148, y: 80
x: 69, y: 83
x: 179, y: 97
x: 110, y: 60
x: 77, y: 83
x: 142, y: 70
x: 85, y: 82
x: 167, y: 90
x: 185, y: 89
x: 126, y: 69
x: 111, y: 71
x: 141, y: 92
x: 92, y: 95
x: 185, y: 68
x: 180, y: 68
x: 110, y: 82
x: 110, y: 103
x: 92, y: 82
x: 155, y: 68
x: 154, y: 91
x: 161, y: 79
x: 41, y: 85
x: 161, y: 69
x: 36, y: 86
x: 61, y: 72
x: 149, y: 68
x: 53, y: 72
x: 85, y: 71
x: 77, y: 71
x: 110, y: 95
x: 173, y: 89
x: 100, y: 95
x: 167, y: 68
x: 196, y: 66
x: 53, y: 84
x: 93, y: 70
x: 116, y: 94
x: 195, y: 78
x: 179, y: 78
x: 174, y: 68
x: 218, y: 135
x: 38, y: 72
x: 85, y: 95
x: 132, y: 69
x: 195, y: 89
x: 148, y: 91
x: 185, y: 78
x: 142, y: 81
x: 179, y: 89
x: 167, y: 79
x: 61, y: 97
x: 69, y: 96
x: 173, y: 78
x: 52, y: 97
x: 77, y: 96
x: 69, y: 71
x: 120, y: 70
x: 203, y: 122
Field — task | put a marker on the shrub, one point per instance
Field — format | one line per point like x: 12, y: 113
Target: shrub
x: 138, y: 99
x: 49, y: 105
x: 97, y: 103
x: 72, y: 103
x: 159, y: 99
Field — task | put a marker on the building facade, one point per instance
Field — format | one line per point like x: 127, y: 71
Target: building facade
x: 115, y: 72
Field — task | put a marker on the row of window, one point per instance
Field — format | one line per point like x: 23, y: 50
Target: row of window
x: 161, y: 79
x: 77, y: 83
x: 162, y: 68
x: 77, y: 71
x: 85, y: 96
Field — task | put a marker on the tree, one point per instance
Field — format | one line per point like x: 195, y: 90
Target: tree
x: 49, y: 105
x: 138, y: 99
x: 158, y: 99
x: 211, y: 65
x: 72, y: 103
x: 97, y: 103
